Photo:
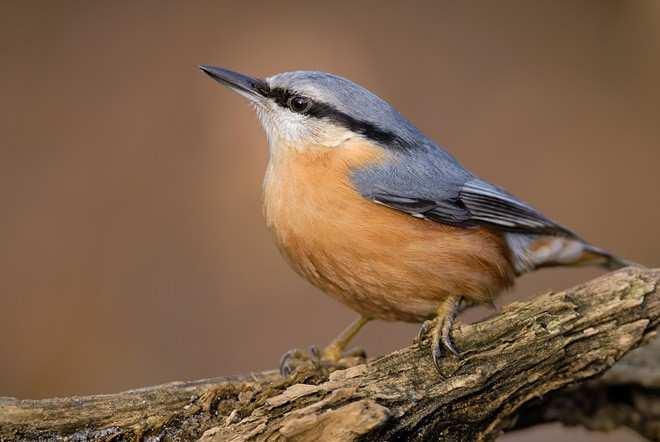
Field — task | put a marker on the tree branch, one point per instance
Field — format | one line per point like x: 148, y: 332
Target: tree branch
x: 532, y: 363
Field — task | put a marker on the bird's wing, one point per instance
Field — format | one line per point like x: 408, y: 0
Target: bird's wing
x: 491, y: 205
x: 444, y: 192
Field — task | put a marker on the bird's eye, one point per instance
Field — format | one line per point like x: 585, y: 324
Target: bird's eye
x: 299, y: 104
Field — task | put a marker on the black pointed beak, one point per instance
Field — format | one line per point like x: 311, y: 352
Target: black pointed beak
x: 252, y: 88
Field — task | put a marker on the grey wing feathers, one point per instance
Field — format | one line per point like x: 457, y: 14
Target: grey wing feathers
x: 429, y: 183
x: 491, y: 205
x: 476, y: 203
x: 449, y: 211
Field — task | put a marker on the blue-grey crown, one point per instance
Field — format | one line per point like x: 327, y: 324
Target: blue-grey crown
x: 346, y: 103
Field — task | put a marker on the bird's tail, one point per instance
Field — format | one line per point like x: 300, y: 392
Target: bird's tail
x: 605, y: 259
x: 533, y: 252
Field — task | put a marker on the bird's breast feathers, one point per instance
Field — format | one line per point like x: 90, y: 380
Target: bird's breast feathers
x: 381, y: 262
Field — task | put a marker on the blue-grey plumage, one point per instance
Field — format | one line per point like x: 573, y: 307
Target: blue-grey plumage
x: 323, y: 120
x: 423, y: 179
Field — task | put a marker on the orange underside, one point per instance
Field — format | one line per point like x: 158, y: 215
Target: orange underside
x: 382, y: 263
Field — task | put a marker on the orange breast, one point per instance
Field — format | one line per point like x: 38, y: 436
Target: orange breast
x: 380, y: 262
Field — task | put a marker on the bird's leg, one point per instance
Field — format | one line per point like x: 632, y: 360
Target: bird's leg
x: 441, y: 332
x: 329, y: 356
x: 334, y: 351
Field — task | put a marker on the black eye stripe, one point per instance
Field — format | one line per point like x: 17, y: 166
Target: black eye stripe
x: 319, y: 110
x: 364, y: 128
x: 279, y: 95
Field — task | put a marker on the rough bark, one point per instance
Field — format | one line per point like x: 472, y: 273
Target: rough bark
x: 532, y: 363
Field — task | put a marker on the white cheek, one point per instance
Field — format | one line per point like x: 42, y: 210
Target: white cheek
x: 293, y: 128
x: 283, y: 126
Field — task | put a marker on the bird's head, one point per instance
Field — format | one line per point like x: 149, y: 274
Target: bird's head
x: 308, y: 108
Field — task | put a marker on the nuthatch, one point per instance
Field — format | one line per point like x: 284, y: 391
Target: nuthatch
x: 378, y: 216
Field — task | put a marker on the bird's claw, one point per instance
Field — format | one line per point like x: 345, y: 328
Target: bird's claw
x: 423, y: 331
x: 446, y: 340
x: 439, y: 330
x: 314, y: 359
x: 441, y: 344
x: 296, y: 359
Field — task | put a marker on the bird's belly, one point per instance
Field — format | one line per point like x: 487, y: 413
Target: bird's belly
x: 401, y: 279
x: 382, y: 263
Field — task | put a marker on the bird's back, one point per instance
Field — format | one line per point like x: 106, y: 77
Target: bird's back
x: 426, y: 182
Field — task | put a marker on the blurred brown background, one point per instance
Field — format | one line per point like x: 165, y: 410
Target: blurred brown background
x: 132, y: 247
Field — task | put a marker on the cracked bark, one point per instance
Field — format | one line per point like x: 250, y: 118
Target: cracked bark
x: 532, y: 363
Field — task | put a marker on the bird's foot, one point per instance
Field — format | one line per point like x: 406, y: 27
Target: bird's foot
x: 298, y: 360
x: 329, y: 359
x: 439, y: 330
x: 441, y: 341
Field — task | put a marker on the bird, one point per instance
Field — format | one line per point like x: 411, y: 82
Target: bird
x: 381, y: 218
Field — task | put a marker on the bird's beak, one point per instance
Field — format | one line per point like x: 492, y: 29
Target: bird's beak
x: 251, y: 88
